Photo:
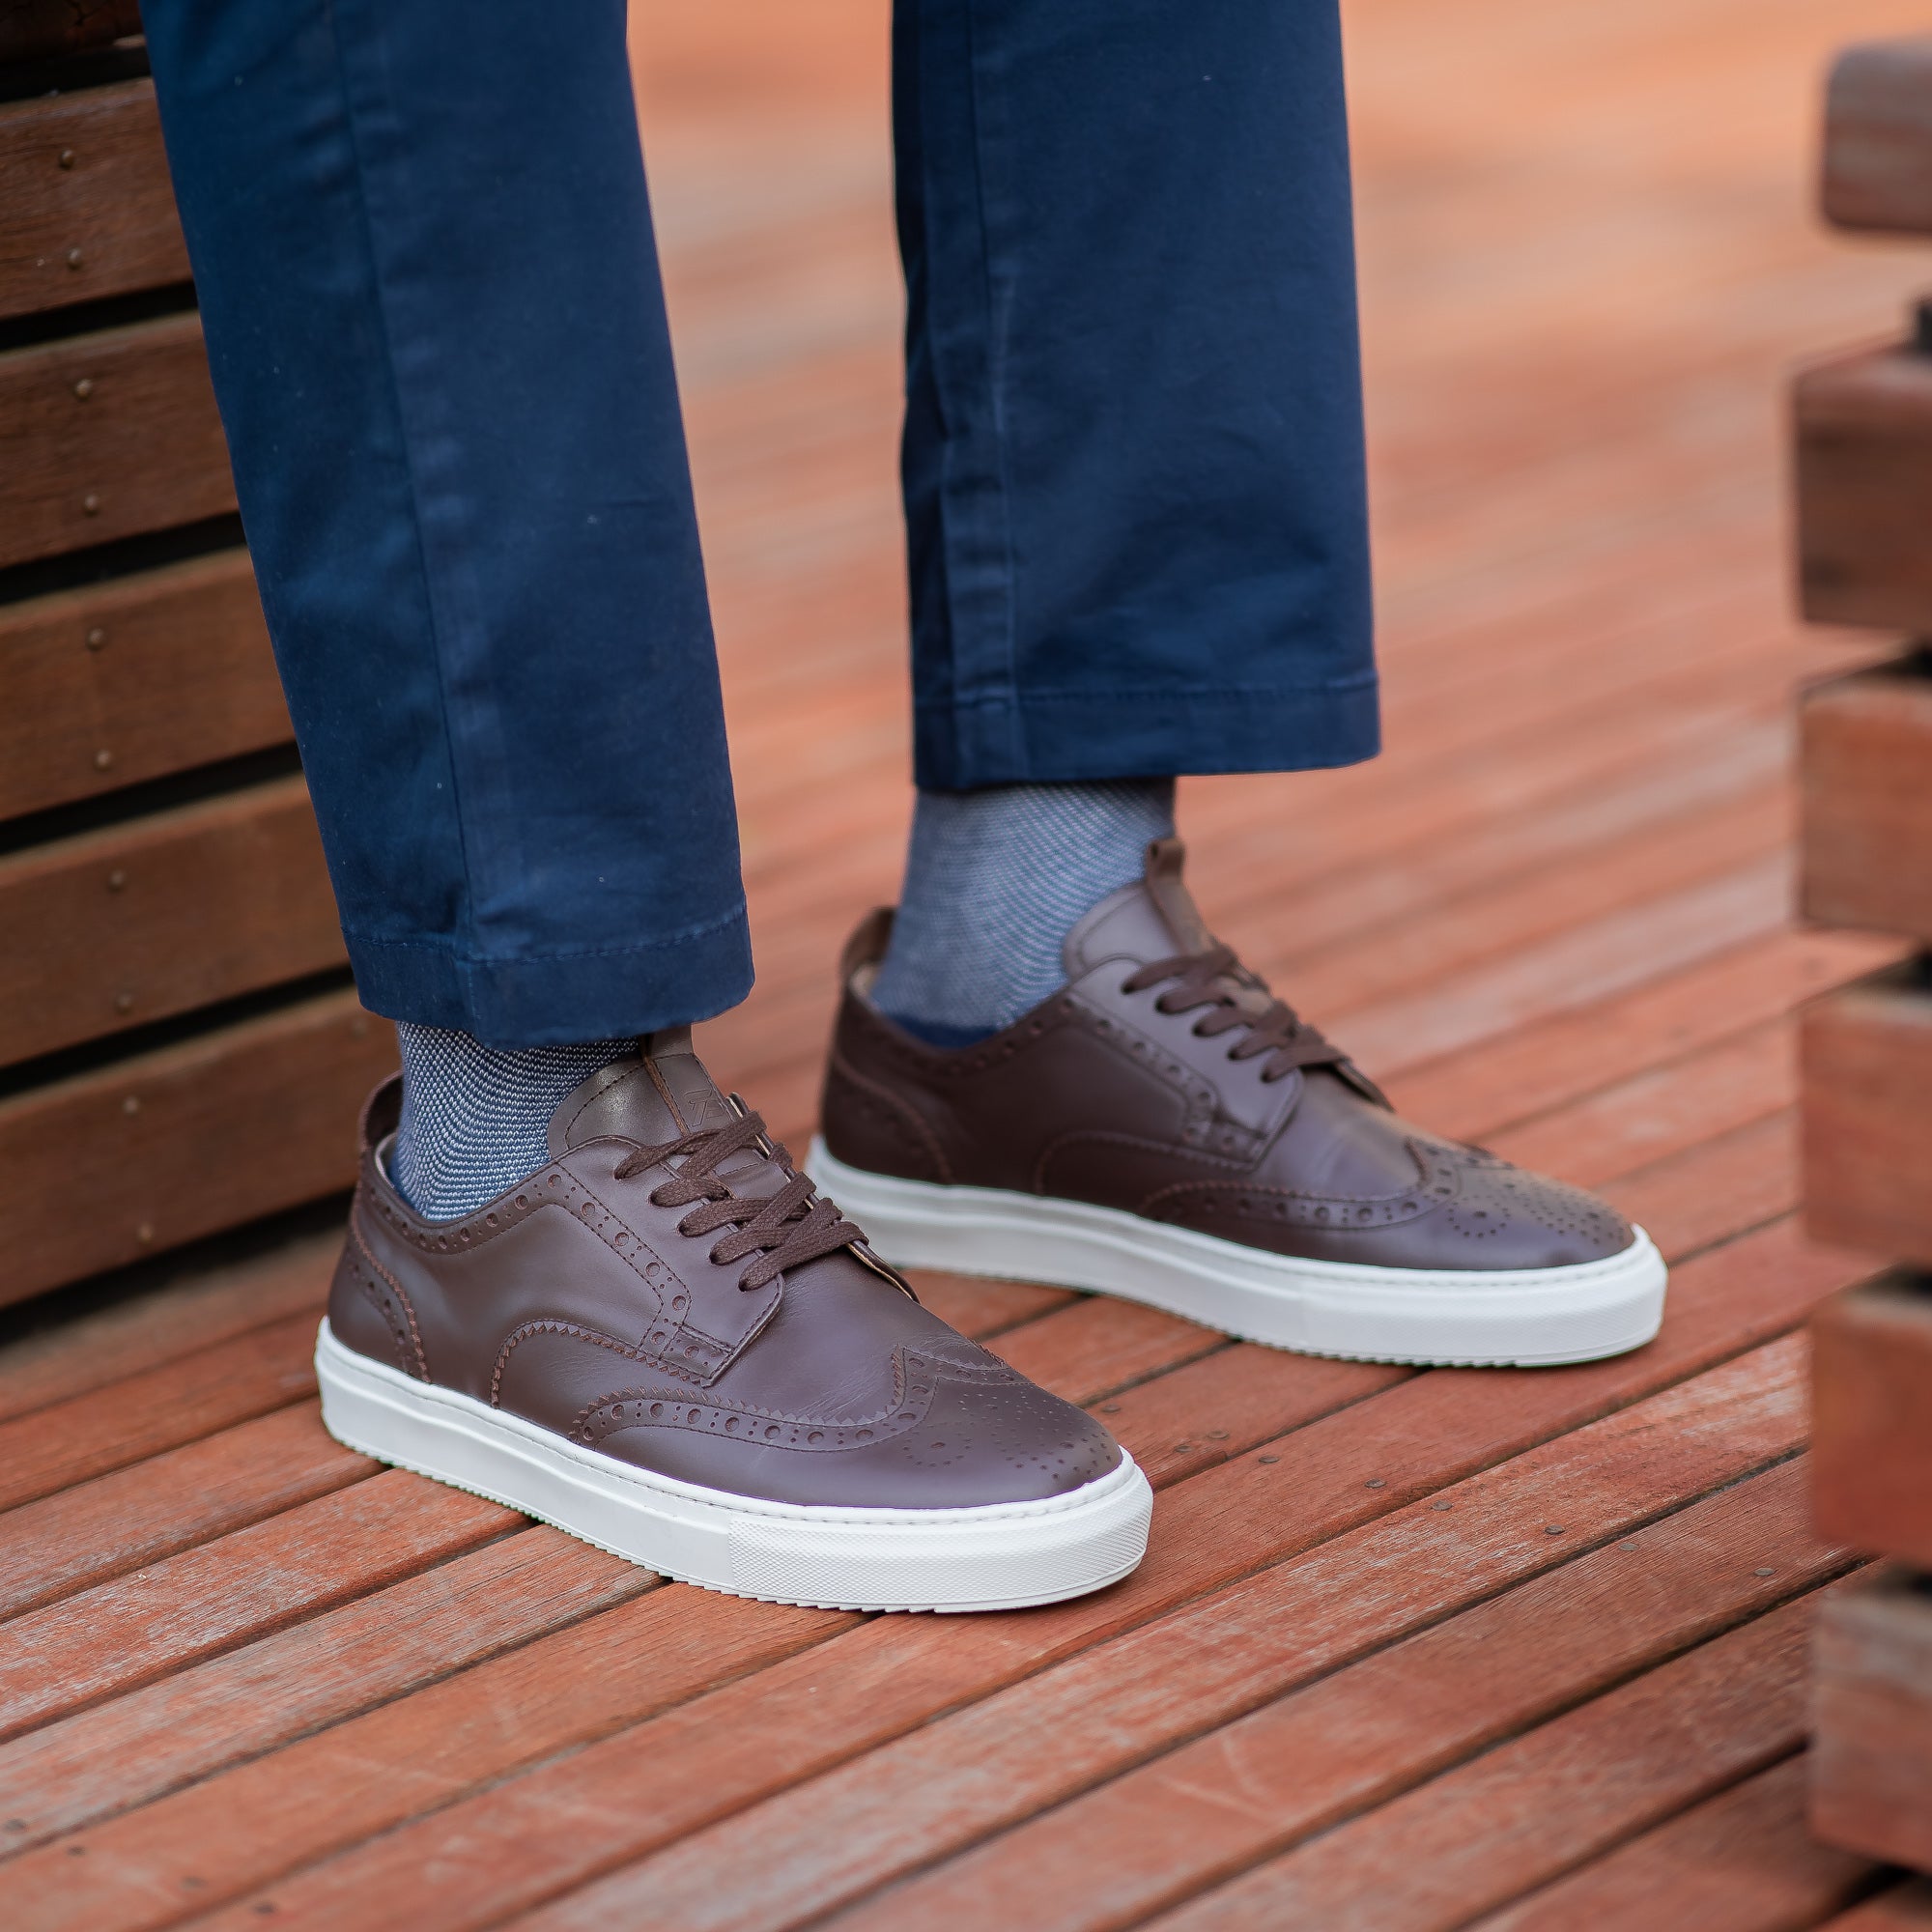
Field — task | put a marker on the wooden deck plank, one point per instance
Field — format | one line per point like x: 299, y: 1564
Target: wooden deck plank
x: 1261, y: 1393
x: 861, y: 1690
x: 825, y: 1841
x: 1565, y: 1058
x: 219, y: 1837
x: 1481, y: 1834
x: 1742, y: 1179
x: 93, y: 1530
x: 361, y: 1653
x: 1664, y: 1110
x: 201, y: 1310
x: 1904, y: 1908
x: 136, y: 1628
x: 62, y: 1443
x: 1157, y: 1835
x: 1098, y: 1347
x: 1741, y: 1861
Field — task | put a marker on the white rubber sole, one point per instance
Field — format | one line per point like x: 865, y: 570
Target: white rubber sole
x: 1447, y: 1317
x: 1000, y: 1556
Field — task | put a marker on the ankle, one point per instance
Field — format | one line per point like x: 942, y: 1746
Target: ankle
x: 475, y: 1120
x: 995, y: 879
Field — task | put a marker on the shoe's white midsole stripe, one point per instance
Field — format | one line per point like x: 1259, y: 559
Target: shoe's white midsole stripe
x: 1344, y: 1308
x: 994, y: 1555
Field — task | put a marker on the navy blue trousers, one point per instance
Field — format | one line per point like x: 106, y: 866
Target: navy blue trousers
x: 1132, y: 458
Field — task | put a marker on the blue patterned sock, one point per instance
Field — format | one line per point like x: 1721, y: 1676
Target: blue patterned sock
x: 476, y: 1121
x: 994, y: 881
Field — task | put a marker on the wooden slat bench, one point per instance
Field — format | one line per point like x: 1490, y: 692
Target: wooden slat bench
x: 1865, y: 541
x: 177, y: 1032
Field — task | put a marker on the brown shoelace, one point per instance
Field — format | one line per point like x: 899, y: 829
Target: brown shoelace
x: 1277, y: 1029
x: 790, y: 1227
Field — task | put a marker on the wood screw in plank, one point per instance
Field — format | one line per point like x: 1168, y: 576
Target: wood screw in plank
x: 97, y: 639
x: 103, y: 761
x: 84, y: 388
x: 66, y: 158
x: 73, y: 258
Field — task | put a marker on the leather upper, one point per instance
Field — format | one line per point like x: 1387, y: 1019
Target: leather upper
x: 1103, y: 1094
x: 573, y: 1299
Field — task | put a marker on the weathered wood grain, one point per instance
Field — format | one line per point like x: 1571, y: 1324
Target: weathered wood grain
x: 186, y: 1317
x: 1866, y: 1056
x: 1660, y: 1111
x: 1878, y: 137
x: 134, y: 1516
x: 211, y: 1840
x: 88, y: 211
x: 134, y: 678
x: 1566, y: 1056
x: 1872, y: 1354
x: 114, y: 1424
x: 150, y: 918
x: 1864, y: 768
x: 1158, y: 1833
x: 1099, y: 1346
x: 1871, y: 1755
x: 187, y: 1139
x: 1744, y: 1179
x: 1488, y: 1832
x: 162, y: 1618
x: 353, y: 1658
x: 1741, y: 1861
x: 108, y: 435
x: 875, y: 1684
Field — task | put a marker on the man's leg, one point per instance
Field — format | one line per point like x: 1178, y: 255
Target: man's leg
x: 576, y: 1277
x: 1134, y: 494
x: 1132, y: 455
x: 424, y: 261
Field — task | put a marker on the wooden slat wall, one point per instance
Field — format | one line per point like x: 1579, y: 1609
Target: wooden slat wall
x: 132, y: 679
x: 106, y: 435
x: 1864, y: 756
x: 109, y: 1166
x: 1864, y: 489
x: 88, y: 211
x: 145, y: 876
x: 1878, y: 127
x: 181, y: 909
x: 33, y: 30
x: 1864, y: 432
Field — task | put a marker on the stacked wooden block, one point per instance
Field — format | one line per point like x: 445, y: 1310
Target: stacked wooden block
x: 1864, y: 536
x: 181, y: 1048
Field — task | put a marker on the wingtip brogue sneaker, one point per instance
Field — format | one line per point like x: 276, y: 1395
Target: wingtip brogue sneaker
x: 667, y: 1341
x: 1164, y: 1128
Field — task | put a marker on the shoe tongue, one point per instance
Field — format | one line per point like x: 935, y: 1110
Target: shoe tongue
x: 1153, y: 918
x: 660, y: 1095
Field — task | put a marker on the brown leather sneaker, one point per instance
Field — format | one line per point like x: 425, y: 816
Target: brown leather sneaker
x: 664, y: 1342
x: 1164, y: 1128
